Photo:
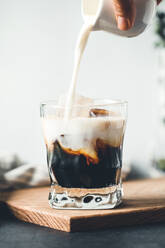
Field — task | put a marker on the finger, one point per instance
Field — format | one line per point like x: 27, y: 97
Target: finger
x: 125, y: 13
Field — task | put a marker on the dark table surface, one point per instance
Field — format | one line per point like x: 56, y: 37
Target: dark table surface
x: 17, y: 234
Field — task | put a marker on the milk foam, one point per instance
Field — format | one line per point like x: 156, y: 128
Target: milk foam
x: 82, y: 132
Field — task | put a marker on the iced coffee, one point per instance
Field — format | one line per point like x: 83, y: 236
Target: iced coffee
x: 84, y: 153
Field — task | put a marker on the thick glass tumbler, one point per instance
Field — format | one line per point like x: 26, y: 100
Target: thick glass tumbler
x: 84, y: 154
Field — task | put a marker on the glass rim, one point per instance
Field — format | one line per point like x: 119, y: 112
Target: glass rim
x: 100, y: 102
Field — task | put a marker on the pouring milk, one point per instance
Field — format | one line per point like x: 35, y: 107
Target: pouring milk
x: 79, y: 50
x: 99, y: 15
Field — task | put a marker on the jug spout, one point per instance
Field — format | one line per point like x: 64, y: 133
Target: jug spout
x: 102, y: 16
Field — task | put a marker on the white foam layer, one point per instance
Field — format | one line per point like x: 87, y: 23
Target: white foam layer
x: 82, y: 133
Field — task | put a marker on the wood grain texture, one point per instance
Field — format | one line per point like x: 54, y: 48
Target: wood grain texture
x: 144, y: 202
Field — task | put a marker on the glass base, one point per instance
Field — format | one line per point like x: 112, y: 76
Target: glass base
x: 77, y: 198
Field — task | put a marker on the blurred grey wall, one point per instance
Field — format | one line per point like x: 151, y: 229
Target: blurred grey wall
x: 37, y: 39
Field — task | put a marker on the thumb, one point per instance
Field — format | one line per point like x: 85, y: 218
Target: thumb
x: 125, y: 13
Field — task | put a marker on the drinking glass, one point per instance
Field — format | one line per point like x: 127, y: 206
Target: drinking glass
x: 84, y: 153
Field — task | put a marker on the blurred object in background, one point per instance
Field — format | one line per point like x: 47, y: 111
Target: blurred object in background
x: 158, y: 159
x: 160, y: 30
x: 14, y: 173
x: 143, y: 170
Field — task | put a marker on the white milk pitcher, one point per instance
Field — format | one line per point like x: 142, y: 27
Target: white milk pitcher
x: 101, y: 13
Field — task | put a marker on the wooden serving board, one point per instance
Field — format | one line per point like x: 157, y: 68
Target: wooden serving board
x: 144, y: 202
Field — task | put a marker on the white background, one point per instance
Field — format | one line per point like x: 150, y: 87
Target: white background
x: 37, y: 39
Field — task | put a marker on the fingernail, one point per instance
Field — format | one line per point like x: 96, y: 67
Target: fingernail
x: 123, y: 23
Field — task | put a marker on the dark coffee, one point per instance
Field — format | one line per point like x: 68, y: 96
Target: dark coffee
x: 77, y: 169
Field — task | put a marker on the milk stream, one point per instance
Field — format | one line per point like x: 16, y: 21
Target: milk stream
x: 79, y: 50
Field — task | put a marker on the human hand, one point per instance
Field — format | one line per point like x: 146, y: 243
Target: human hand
x: 125, y: 13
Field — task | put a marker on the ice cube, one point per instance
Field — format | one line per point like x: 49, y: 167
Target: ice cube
x: 79, y: 100
x: 98, y: 112
x: 80, y: 107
